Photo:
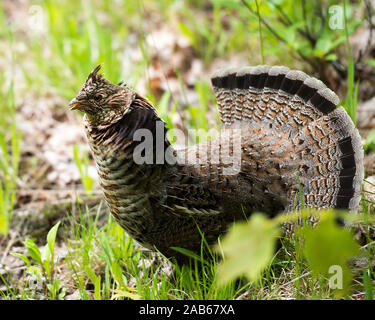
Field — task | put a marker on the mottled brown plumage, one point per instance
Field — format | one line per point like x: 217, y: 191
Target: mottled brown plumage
x: 281, y: 133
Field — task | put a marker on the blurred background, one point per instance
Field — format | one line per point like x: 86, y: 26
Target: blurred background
x: 166, y: 50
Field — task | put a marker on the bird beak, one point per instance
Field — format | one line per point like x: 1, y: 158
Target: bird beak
x: 74, y: 104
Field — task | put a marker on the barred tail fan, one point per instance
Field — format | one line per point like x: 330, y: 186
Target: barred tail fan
x: 326, y: 145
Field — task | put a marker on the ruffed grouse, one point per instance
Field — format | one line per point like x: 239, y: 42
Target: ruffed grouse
x: 282, y: 133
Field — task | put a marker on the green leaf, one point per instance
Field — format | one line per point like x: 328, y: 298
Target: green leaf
x: 369, y: 290
x: 185, y: 30
x: 125, y: 294
x: 21, y: 256
x: 51, y: 238
x: 326, y: 43
x: 54, y: 289
x: 164, y: 103
x: 33, y: 250
x: 327, y: 249
x: 355, y: 101
x: 331, y: 57
x: 3, y: 220
x: 88, y: 183
x: 91, y: 274
x: 97, y: 285
x: 117, y: 273
x: 47, y: 263
x: 77, y: 159
x: 229, y: 4
x: 248, y: 248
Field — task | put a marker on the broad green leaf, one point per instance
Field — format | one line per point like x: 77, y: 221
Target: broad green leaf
x: 47, y: 259
x: 21, y: 256
x: 326, y: 43
x: 185, y: 30
x: 117, y: 273
x: 33, y: 250
x: 164, y: 103
x: 248, y: 248
x: 51, y: 238
x: 90, y: 274
x: 46, y: 253
x: 327, y: 250
x: 88, y: 183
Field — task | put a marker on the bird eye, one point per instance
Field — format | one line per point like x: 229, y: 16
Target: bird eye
x: 98, y: 97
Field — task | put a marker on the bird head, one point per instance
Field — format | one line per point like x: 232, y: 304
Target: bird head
x: 102, y: 101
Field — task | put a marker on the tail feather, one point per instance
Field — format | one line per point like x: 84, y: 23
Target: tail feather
x: 327, y: 145
x: 332, y: 152
x: 238, y: 92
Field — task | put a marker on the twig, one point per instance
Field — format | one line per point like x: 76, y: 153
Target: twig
x: 368, y: 244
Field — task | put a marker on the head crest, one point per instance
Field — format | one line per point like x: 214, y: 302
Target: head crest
x: 94, y: 76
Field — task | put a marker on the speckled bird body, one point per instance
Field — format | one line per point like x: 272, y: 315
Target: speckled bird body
x: 282, y: 132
